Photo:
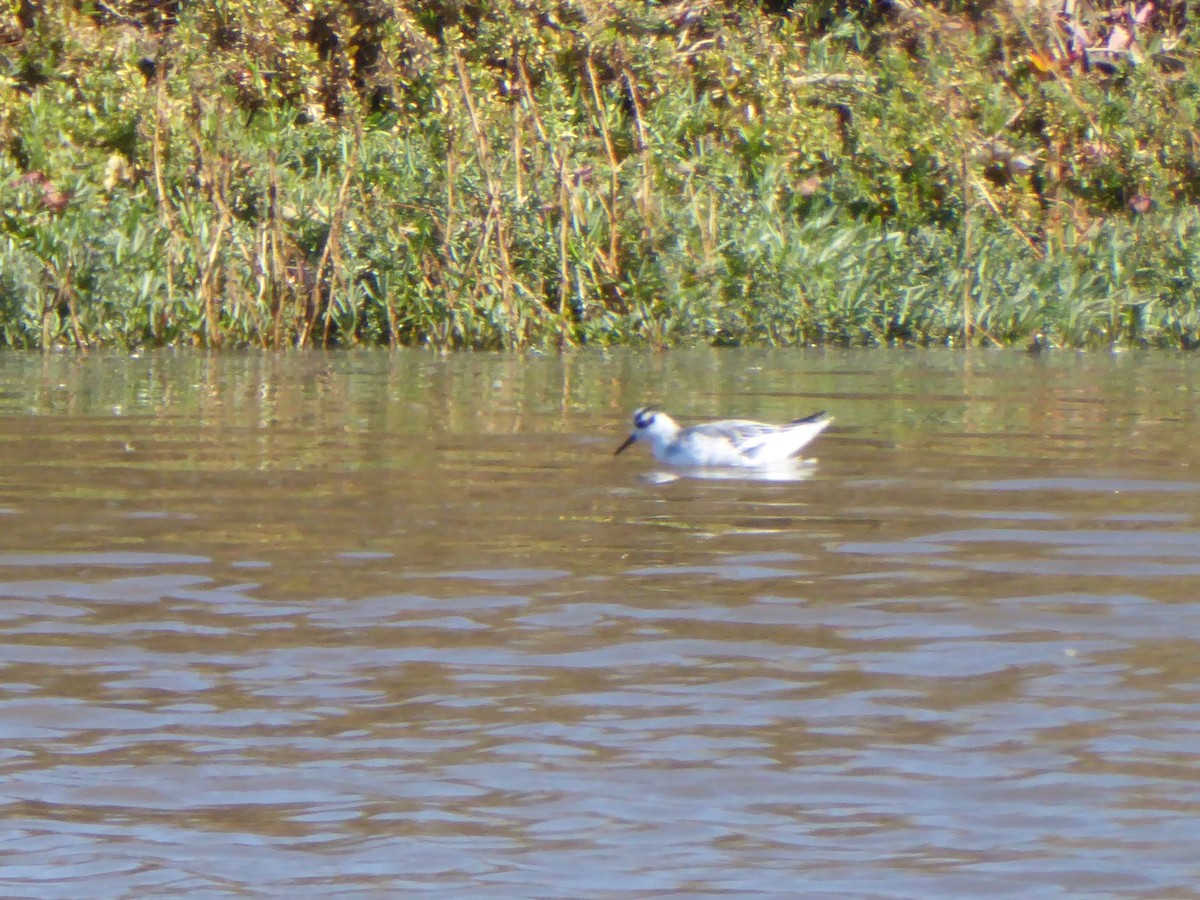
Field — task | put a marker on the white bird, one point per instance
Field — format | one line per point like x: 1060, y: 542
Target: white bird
x: 729, y: 442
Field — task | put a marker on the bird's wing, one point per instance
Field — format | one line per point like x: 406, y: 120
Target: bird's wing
x: 743, y: 435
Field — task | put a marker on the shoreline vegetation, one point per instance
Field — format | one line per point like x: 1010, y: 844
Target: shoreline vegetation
x: 541, y: 173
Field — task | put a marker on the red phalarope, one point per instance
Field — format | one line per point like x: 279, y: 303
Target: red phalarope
x: 730, y: 442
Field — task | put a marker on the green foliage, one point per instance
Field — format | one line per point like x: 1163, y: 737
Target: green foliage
x: 500, y: 175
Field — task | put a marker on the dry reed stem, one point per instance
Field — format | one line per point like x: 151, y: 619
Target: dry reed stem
x: 451, y: 173
x: 76, y: 327
x: 517, y: 153
x: 205, y: 290
x: 1008, y: 223
x: 49, y: 304
x: 705, y: 224
x: 156, y: 149
x: 393, y: 322
x: 613, y: 183
x: 272, y: 238
x: 528, y: 98
x: 564, y: 271
x: 47, y: 332
x: 262, y: 277
x: 217, y: 173
x: 164, y: 207
x: 967, y: 308
x: 495, y: 213
x: 67, y: 288
x: 643, y: 143
x: 331, y: 255
x: 565, y: 196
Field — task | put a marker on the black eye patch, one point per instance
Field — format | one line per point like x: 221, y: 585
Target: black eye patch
x: 643, y: 418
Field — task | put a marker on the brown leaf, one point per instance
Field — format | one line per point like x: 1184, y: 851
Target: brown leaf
x: 55, y: 200
x: 52, y: 198
x: 809, y: 186
x: 1140, y: 204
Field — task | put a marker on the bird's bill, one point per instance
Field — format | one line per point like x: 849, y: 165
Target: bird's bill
x: 629, y: 440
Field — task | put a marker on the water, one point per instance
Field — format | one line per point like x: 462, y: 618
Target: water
x: 367, y: 624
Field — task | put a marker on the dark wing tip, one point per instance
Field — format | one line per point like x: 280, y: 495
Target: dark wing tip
x: 814, y: 417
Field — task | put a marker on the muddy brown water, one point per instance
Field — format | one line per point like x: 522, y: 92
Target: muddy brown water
x: 369, y: 624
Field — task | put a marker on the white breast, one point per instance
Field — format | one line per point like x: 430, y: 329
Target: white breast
x: 692, y: 449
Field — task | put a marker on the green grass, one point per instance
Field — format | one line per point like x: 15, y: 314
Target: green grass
x: 558, y: 173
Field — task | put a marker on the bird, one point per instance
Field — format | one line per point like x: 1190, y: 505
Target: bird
x: 725, y: 443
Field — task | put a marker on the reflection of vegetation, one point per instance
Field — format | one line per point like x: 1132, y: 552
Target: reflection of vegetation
x: 461, y: 174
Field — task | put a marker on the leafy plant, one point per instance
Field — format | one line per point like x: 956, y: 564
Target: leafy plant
x: 252, y: 172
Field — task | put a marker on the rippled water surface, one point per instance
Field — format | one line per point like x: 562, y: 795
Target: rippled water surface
x: 367, y: 624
